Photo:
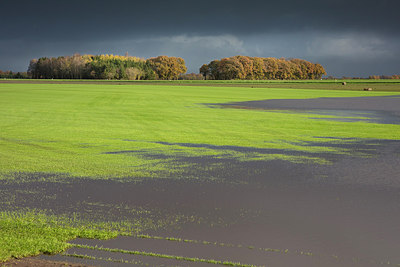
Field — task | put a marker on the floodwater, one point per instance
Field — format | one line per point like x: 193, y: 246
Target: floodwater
x: 379, y: 109
x: 265, y: 213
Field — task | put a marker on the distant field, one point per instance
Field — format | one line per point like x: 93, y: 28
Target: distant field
x: 376, y: 85
x: 59, y: 132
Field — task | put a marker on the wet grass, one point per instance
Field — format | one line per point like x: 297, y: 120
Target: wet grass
x: 164, y: 256
x: 109, y: 259
x: 32, y: 233
x: 287, y: 252
x: 203, y: 242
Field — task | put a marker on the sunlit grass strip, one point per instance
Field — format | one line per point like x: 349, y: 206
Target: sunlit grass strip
x: 87, y: 257
x: 177, y: 239
x: 165, y: 256
x: 393, y: 81
x: 284, y: 251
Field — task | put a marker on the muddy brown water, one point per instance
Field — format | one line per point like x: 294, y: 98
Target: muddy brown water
x: 269, y: 213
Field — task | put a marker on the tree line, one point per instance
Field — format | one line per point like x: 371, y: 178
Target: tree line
x: 13, y: 75
x: 257, y: 68
x: 114, y: 67
x: 384, y: 77
x: 111, y: 67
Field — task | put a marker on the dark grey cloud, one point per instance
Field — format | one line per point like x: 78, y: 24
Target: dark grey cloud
x: 88, y: 19
x: 334, y: 33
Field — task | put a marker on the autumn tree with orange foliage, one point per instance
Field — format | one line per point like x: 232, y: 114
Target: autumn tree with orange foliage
x: 256, y: 68
x: 110, y: 67
x: 168, y: 68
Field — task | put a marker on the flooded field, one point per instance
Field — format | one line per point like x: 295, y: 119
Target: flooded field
x: 277, y: 214
x: 320, y: 192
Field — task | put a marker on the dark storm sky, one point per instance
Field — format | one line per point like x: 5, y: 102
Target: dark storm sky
x: 353, y: 38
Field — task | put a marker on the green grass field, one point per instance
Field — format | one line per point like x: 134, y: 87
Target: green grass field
x: 70, y: 128
x: 81, y: 130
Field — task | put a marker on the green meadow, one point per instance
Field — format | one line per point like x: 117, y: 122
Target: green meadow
x: 141, y: 131
x: 82, y: 130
